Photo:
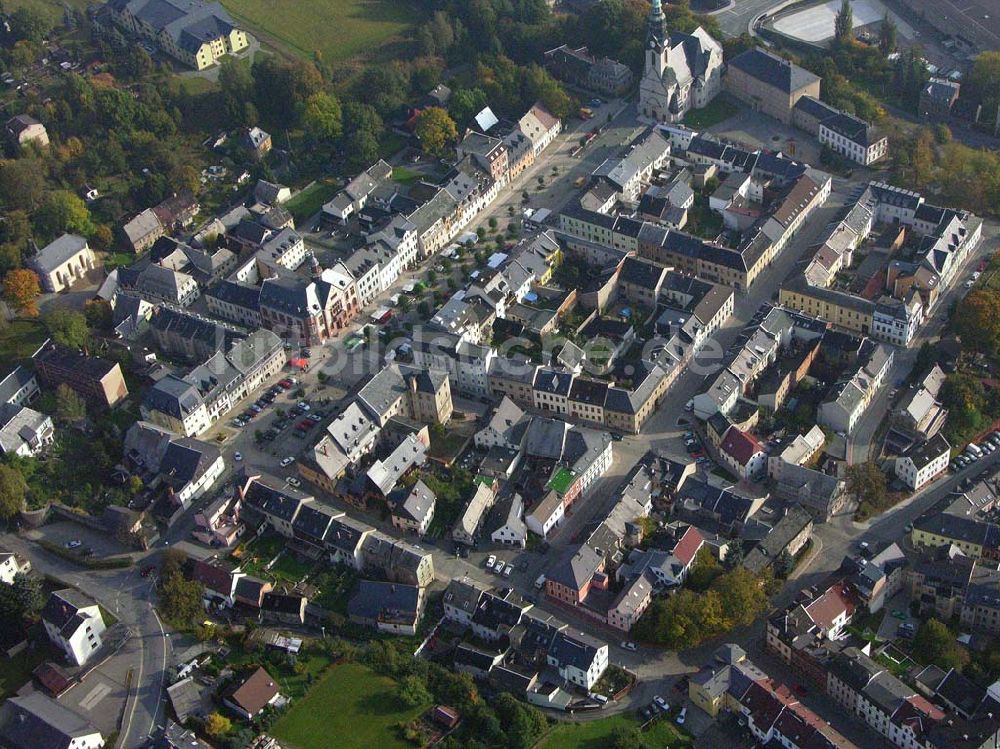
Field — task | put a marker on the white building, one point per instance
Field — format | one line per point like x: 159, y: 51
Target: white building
x: 853, y: 139
x: 923, y: 461
x: 36, y: 721
x: 512, y: 530
x: 63, y: 262
x: 73, y: 623
x: 24, y: 431
x: 682, y: 71
x: 12, y: 565
x: 579, y: 658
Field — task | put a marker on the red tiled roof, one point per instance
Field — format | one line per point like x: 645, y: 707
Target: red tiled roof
x: 686, y: 549
x: 740, y: 445
x: 834, y: 602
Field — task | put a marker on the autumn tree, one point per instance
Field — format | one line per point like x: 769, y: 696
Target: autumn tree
x: 63, y: 211
x: 934, y: 643
x: 13, y: 491
x: 868, y: 485
x: 982, y: 83
x: 21, y: 291
x: 436, y: 130
x: 217, y: 725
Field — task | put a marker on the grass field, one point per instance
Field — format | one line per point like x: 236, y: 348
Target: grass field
x: 351, y: 703
x: 308, y: 201
x: 19, y: 339
x: 51, y: 8
x: 337, y: 29
x: 597, y: 734
x: 721, y: 108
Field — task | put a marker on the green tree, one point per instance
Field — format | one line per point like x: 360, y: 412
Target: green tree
x: 63, y: 211
x: 436, y: 130
x: 181, y: 600
x: 70, y: 407
x: 887, y: 35
x: 626, y: 737
x: 413, y: 692
x: 982, y: 83
x: 13, y: 491
x: 322, y: 117
x: 465, y: 103
x: 98, y: 314
x: 22, y: 184
x: 843, y: 25
x: 67, y: 327
x: 977, y: 320
x: 29, y: 24
x: 868, y: 485
x: 704, y: 571
x: 934, y: 643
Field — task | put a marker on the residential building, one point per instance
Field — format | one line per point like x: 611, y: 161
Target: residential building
x: 461, y: 600
x: 187, y: 467
x: 579, y: 658
x: 142, y: 231
x: 74, y: 624
x: 198, y: 34
x: 578, y: 67
x: 387, y: 607
x: 249, y: 697
x: 937, y: 98
x: 853, y: 138
x: 63, y: 262
x: 24, y: 128
x: 24, y: 431
x: 18, y: 386
x: 98, y: 381
x: 540, y: 126
x: 741, y: 452
x: 412, y: 508
x: 923, y: 461
x: 33, y: 720
x: 512, y: 530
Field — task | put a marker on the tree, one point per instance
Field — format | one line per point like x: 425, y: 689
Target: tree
x: 70, y: 407
x: 436, y: 130
x: 180, y: 600
x: 322, y: 117
x: 982, y: 83
x: 21, y: 291
x: 67, y: 327
x: 22, y: 184
x: 413, y: 692
x: 63, y: 211
x: 98, y: 314
x: 887, y: 35
x: 29, y: 24
x: 977, y: 320
x: 217, y: 725
x: 934, y: 643
x: 13, y: 491
x: 704, y: 571
x: 20, y: 598
x: 465, y: 103
x: 843, y: 25
x: 626, y: 737
x: 867, y: 483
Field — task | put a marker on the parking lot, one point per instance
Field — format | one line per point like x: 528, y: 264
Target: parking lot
x: 80, y: 539
x: 974, y: 452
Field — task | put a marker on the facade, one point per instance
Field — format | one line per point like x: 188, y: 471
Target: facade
x: 199, y: 34
x: 578, y: 658
x: 98, y: 381
x: 682, y: 71
x: 63, y: 262
x: 580, y: 68
x: 853, y: 139
x: 74, y: 625
x: 923, y: 461
x: 768, y: 83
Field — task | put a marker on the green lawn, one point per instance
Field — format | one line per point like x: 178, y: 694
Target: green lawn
x: 597, y: 734
x: 351, y: 703
x: 308, y: 201
x: 405, y: 176
x: 19, y: 339
x: 16, y: 672
x: 338, y: 30
x: 718, y: 110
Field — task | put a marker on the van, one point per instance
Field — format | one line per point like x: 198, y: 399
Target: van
x: 540, y: 582
x: 974, y: 449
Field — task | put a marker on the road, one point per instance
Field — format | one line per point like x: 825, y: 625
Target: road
x: 147, y: 652
x: 740, y: 14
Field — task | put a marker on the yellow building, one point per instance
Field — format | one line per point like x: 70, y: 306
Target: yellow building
x: 196, y: 33
x: 975, y: 538
x: 843, y: 310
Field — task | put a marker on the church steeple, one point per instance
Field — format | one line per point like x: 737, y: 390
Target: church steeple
x: 656, y: 32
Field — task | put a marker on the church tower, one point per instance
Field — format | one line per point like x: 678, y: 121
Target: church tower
x: 654, y: 98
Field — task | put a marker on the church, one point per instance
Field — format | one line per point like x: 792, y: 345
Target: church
x: 683, y: 71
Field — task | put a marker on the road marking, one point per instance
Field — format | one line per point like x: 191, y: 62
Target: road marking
x: 95, y: 695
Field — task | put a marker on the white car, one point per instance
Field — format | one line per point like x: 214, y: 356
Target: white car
x: 508, y: 570
x: 292, y: 481
x: 682, y: 716
x: 499, y: 567
x: 661, y: 703
x: 626, y: 645
x: 287, y: 461
x: 303, y: 406
x: 490, y: 561
x: 74, y: 544
x: 237, y: 457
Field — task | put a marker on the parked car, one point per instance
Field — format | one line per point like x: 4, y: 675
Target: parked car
x: 508, y: 570
x: 287, y: 461
x: 237, y: 457
x: 490, y: 561
x: 499, y: 566
x: 682, y: 716
x: 304, y: 406
x: 292, y: 481
x: 631, y: 646
x: 661, y: 703
x: 74, y: 544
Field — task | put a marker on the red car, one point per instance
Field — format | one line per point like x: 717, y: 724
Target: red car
x: 304, y: 426
x: 286, y: 384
